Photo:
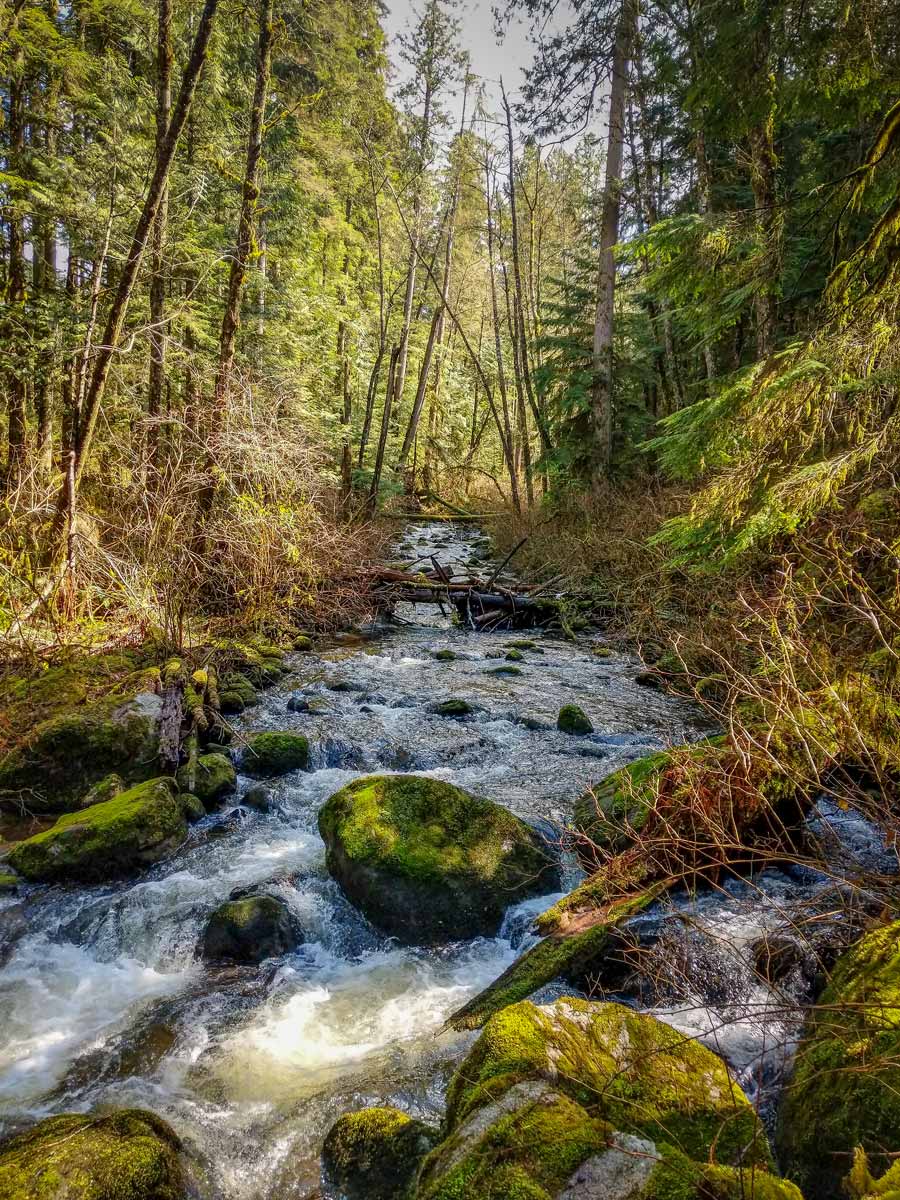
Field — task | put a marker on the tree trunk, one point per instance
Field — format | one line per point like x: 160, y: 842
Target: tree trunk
x: 17, y: 429
x: 763, y: 167
x: 249, y: 198
x: 158, y: 326
x: 602, y: 388
x: 389, y: 393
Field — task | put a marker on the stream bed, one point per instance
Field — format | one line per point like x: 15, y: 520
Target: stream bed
x: 104, y: 1000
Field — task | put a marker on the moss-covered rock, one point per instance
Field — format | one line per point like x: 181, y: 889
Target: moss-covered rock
x: 374, y: 1154
x: 573, y: 719
x: 258, y: 798
x: 515, y: 655
x: 613, y: 811
x: 109, y: 840
x: 107, y: 789
x: 506, y: 669
x: 453, y: 708
x: 625, y: 1067
x: 249, y: 930
x: 523, y: 644
x: 127, y: 1155
x: 269, y: 754
x: 845, y: 1090
x: 67, y: 755
x: 426, y: 861
x: 9, y: 884
x: 236, y: 693
x: 303, y: 644
x: 192, y: 807
x: 445, y: 656
x: 212, y: 778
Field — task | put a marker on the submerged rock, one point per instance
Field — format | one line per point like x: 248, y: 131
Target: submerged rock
x: 126, y: 1155
x: 249, y: 930
x: 845, y: 1090
x: 257, y: 797
x: 107, y: 841
x: 374, y: 1154
x: 66, y: 756
x: 212, y: 779
x: 573, y: 719
x: 269, y: 754
x: 426, y: 861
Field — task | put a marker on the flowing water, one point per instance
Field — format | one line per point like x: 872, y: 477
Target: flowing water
x: 104, y: 1000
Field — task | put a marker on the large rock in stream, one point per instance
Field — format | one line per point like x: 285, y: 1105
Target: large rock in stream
x: 109, y: 840
x: 68, y: 754
x: 249, y: 930
x: 845, y: 1090
x: 583, y: 1101
x: 127, y: 1155
x: 427, y: 862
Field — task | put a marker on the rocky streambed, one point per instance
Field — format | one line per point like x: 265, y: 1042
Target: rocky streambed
x: 107, y: 1002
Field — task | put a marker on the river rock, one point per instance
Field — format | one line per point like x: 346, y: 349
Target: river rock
x: 583, y: 1101
x: 573, y: 719
x: 236, y: 693
x: 427, y: 862
x: 453, y: 708
x: 213, y: 778
x: 249, y: 930
x: 269, y: 754
x: 67, y: 755
x: 845, y: 1090
x: 445, y: 656
x: 108, y: 840
x: 126, y: 1155
x: 107, y: 789
x: 374, y: 1154
x: 257, y: 797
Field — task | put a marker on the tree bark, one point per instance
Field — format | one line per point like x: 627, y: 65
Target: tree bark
x: 249, y: 198
x: 158, y: 324
x: 602, y: 388
x: 17, y: 427
x: 763, y: 167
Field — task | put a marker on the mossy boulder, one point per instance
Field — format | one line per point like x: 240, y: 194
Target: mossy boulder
x: 68, y: 754
x: 107, y: 789
x: 212, y: 778
x: 192, y: 806
x: 374, y: 1154
x: 845, y: 1090
x: 236, y: 693
x: 426, y: 861
x: 269, y: 754
x: 303, y: 644
x: 514, y: 655
x: 107, y: 841
x: 506, y: 669
x: 127, y: 1155
x: 633, y: 1071
x: 9, y: 884
x: 453, y: 708
x: 573, y: 719
x: 445, y: 656
x: 614, y: 810
x: 250, y: 930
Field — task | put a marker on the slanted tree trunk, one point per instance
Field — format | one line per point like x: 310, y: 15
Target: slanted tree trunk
x: 602, y: 388
x: 158, y: 326
x: 249, y: 199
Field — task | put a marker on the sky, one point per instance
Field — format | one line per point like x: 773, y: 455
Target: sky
x: 489, y: 60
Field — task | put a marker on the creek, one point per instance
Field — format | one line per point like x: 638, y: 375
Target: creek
x: 105, y: 1001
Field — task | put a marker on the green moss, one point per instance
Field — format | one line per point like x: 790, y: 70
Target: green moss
x: 573, y: 719
x: 68, y: 754
x: 613, y: 811
x: 9, y: 884
x: 453, y: 708
x: 107, y: 789
x: 625, y: 1067
x: 420, y: 855
x: 236, y: 693
x: 374, y: 1154
x: 111, y: 839
x: 676, y: 1177
x: 270, y: 754
x: 303, y: 644
x: 569, y: 957
x: 601, y: 651
x: 214, y: 777
x: 514, y: 656
x: 192, y: 807
x: 128, y: 1155
x: 250, y: 929
x: 845, y: 1091
x: 526, y: 1154
x: 445, y: 656
x: 510, y: 670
